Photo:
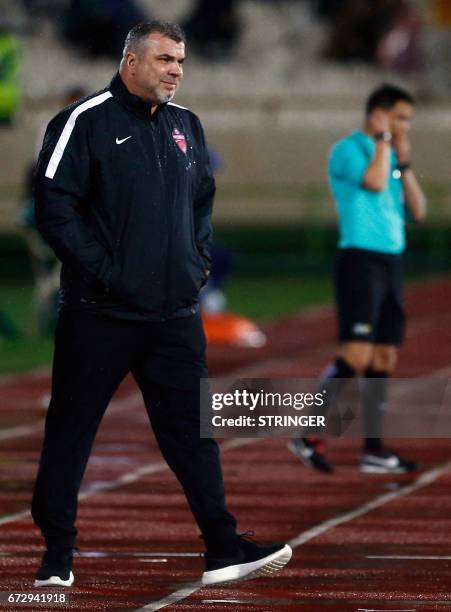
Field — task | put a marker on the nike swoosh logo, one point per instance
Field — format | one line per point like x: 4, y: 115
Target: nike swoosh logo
x: 122, y: 140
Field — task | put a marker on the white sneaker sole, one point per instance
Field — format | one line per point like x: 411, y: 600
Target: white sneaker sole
x: 55, y: 581
x: 256, y: 569
x: 378, y: 469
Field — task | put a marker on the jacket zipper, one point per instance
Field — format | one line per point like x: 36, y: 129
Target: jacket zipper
x: 156, y: 143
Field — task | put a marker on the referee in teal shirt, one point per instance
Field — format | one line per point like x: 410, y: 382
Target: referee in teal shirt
x: 375, y: 192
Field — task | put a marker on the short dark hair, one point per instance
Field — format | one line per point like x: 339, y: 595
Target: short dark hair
x: 386, y: 96
x: 144, y: 28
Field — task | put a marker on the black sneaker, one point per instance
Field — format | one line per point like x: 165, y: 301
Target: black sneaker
x: 385, y: 462
x: 311, y: 452
x: 251, y: 560
x: 56, y: 569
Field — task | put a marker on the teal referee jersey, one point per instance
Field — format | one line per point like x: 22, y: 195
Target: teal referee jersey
x: 368, y: 220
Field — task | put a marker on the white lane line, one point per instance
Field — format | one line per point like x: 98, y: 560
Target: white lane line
x: 424, y: 480
x: 412, y: 557
x: 21, y: 430
x: 95, y: 554
x: 100, y: 487
x: 150, y: 468
x: 16, y: 516
x: 128, y: 477
x: 98, y: 554
x: 38, y: 426
x: 173, y: 598
x: 125, y: 479
x: 227, y: 601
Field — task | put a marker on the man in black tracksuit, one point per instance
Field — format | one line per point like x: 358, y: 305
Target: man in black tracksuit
x: 124, y: 194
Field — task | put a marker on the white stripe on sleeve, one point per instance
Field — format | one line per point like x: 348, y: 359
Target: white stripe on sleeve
x: 177, y: 106
x: 67, y: 131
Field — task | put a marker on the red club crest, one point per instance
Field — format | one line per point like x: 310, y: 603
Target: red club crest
x: 179, y: 139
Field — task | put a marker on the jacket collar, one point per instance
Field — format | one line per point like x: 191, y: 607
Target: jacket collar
x: 133, y: 103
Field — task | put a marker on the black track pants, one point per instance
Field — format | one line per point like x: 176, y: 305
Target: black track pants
x: 93, y: 354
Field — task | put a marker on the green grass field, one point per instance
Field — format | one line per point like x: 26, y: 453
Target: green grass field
x: 259, y: 298
x: 27, y: 350
x: 271, y: 297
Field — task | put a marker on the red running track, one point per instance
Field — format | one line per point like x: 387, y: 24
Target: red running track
x: 361, y: 542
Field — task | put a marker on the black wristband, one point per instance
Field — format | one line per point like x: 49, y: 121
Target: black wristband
x: 382, y: 136
x: 403, y: 167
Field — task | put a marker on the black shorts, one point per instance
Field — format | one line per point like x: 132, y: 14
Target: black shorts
x: 368, y: 287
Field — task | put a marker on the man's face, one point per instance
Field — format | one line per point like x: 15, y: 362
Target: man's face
x: 400, y: 118
x: 158, y: 68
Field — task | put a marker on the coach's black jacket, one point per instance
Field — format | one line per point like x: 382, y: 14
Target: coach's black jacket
x: 124, y: 199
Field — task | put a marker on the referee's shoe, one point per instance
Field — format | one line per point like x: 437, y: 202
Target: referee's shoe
x: 311, y: 451
x: 386, y: 462
x: 246, y: 560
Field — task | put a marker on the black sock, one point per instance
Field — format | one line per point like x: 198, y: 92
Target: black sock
x: 332, y: 382
x: 341, y: 369
x: 374, y: 391
x: 334, y: 378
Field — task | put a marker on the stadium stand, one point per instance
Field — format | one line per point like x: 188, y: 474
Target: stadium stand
x: 272, y: 100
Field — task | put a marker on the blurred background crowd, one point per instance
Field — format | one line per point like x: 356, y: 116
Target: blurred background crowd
x: 275, y: 83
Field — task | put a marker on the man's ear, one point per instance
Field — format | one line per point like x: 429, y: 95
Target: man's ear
x: 130, y: 60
